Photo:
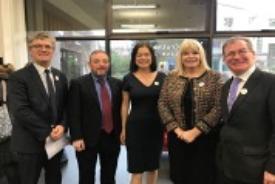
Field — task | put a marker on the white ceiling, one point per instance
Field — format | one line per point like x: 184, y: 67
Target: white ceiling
x: 168, y: 14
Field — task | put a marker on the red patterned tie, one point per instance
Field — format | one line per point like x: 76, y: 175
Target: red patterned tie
x: 107, y: 118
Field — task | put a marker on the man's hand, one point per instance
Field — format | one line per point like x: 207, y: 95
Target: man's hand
x: 79, y: 145
x: 57, y: 132
x: 269, y: 178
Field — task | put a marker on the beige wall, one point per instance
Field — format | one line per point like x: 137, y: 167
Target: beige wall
x: 13, y: 32
x: 1, y: 37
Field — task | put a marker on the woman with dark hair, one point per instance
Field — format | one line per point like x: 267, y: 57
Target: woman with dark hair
x: 142, y: 128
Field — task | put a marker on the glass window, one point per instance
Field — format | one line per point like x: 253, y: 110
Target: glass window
x: 245, y: 15
x: 165, y: 50
x: 159, y: 15
x: 71, y: 57
x: 66, y: 15
x: 265, y: 52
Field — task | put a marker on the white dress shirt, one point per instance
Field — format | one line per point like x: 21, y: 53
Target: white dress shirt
x: 244, y: 77
x: 42, y: 74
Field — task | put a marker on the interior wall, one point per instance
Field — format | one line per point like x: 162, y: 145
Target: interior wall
x: 1, y: 35
x: 13, y: 32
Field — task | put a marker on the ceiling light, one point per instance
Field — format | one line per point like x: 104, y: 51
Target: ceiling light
x: 137, y: 26
x: 134, y: 6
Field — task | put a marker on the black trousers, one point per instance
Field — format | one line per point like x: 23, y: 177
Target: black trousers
x: 222, y: 179
x: 192, y: 163
x: 8, y: 163
x: 30, y: 166
x: 10, y: 172
x: 107, y: 148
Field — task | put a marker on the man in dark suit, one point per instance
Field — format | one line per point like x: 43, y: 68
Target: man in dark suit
x: 36, y: 96
x: 94, y: 120
x: 246, y: 153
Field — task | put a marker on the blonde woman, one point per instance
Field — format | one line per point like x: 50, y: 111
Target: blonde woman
x: 189, y: 108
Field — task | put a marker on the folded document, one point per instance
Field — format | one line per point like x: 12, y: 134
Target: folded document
x: 53, y: 147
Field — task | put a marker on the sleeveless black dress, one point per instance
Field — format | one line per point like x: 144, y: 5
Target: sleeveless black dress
x: 144, y: 129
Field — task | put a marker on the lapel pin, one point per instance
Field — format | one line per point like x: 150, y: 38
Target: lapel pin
x: 56, y: 78
x: 156, y: 83
x: 243, y: 91
x: 201, y: 84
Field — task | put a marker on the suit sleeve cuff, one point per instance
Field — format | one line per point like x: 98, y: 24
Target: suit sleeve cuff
x: 270, y: 167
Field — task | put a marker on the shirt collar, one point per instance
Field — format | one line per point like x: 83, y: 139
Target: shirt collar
x: 40, y: 68
x: 95, y: 78
x: 247, y: 74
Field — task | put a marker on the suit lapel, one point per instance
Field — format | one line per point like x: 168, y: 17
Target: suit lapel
x: 90, y: 84
x: 249, y: 86
x: 57, y: 85
x: 37, y: 81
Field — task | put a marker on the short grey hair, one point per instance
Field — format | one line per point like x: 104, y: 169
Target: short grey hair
x: 238, y: 38
x: 41, y: 36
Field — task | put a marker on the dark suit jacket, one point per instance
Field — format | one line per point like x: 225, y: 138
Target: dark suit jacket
x: 84, y: 113
x: 247, y: 146
x: 29, y: 108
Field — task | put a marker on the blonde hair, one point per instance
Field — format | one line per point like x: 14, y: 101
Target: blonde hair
x: 193, y: 45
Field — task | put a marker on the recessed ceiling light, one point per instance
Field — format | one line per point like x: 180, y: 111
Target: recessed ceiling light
x: 137, y: 26
x: 134, y: 6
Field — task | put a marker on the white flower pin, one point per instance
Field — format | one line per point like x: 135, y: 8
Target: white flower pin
x: 156, y: 83
x: 56, y: 78
x: 243, y: 91
x: 201, y: 84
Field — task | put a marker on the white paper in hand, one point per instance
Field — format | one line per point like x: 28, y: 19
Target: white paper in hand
x: 53, y: 147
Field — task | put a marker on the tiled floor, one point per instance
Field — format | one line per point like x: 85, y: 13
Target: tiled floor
x: 70, y: 172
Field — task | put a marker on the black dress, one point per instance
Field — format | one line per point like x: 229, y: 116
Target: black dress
x: 191, y: 163
x: 144, y: 128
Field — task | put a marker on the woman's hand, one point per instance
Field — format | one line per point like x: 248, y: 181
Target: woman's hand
x: 187, y: 136
x: 190, y: 136
x: 179, y: 132
x: 122, y: 136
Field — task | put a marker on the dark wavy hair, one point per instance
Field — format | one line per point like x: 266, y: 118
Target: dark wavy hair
x: 133, y: 65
